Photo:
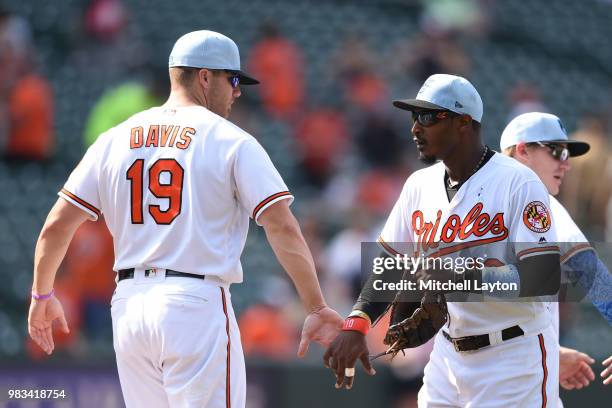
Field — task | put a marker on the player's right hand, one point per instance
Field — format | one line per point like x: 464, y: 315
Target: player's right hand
x: 343, y: 353
x: 40, y: 322
x: 321, y: 326
x: 574, y: 369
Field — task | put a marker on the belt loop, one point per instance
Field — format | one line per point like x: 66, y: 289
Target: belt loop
x: 139, y: 274
x: 495, y: 338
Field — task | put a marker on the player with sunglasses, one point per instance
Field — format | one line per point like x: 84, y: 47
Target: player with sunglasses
x: 539, y: 141
x: 481, y: 349
x: 177, y: 185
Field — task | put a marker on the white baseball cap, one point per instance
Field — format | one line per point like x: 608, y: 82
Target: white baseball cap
x: 446, y: 92
x: 208, y: 49
x: 539, y: 127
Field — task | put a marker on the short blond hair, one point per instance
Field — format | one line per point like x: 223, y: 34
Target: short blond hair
x: 510, y: 151
x: 183, y: 76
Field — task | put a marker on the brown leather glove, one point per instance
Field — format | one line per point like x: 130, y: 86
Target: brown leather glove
x: 414, y: 323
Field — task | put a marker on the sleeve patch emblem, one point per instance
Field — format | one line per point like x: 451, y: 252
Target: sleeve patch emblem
x: 537, y: 217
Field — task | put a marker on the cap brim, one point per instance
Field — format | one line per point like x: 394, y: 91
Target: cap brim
x: 246, y: 79
x: 575, y: 147
x: 416, y: 104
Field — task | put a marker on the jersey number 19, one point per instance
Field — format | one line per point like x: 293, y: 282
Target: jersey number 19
x: 173, y: 191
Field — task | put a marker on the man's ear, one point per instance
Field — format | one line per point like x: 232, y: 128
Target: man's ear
x: 521, y: 152
x: 465, y: 121
x: 204, y: 77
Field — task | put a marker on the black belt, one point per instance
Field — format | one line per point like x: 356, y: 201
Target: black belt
x: 471, y: 343
x: 129, y: 274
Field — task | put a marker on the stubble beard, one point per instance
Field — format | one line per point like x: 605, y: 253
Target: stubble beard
x: 427, y: 159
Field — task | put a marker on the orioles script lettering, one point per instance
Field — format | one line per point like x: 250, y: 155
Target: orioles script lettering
x: 476, y: 223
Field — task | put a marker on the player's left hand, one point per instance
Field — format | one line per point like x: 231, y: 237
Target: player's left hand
x: 607, y: 373
x: 321, y: 326
x: 40, y: 322
x: 574, y: 369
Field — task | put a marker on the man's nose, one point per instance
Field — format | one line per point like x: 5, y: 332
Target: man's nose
x: 565, y: 165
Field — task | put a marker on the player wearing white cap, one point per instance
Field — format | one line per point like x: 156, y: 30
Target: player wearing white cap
x: 539, y: 141
x: 177, y: 185
x: 489, y: 353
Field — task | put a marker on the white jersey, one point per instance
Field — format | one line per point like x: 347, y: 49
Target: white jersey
x: 503, y: 202
x: 571, y: 241
x: 177, y: 187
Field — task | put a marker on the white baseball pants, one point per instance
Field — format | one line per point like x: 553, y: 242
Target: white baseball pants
x: 177, y: 343
x: 520, y: 372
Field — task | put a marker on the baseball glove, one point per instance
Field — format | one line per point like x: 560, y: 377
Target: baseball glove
x: 414, y: 323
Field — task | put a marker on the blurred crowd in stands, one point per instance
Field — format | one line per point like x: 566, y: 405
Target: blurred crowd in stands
x: 26, y: 103
x: 347, y: 156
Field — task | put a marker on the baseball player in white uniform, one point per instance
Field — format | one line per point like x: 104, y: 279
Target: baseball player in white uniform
x: 539, y: 141
x: 491, y: 353
x: 177, y: 185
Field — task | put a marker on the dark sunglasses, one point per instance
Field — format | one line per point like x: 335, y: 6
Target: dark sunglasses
x: 234, y: 79
x: 559, y: 152
x: 429, y: 118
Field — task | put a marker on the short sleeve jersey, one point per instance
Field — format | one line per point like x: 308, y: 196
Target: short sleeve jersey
x: 501, y: 212
x: 177, y: 187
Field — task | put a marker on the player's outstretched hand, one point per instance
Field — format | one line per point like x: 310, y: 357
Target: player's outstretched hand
x: 607, y: 373
x: 40, y: 322
x: 574, y: 369
x: 321, y: 326
x: 343, y: 354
